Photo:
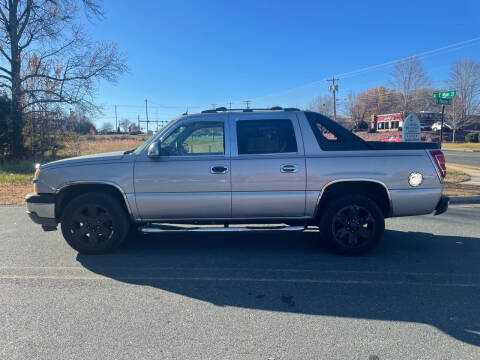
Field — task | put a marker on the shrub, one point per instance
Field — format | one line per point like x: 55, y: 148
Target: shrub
x: 372, y: 130
x: 361, y: 126
x: 472, y: 137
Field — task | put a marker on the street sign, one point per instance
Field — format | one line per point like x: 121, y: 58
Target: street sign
x: 445, y: 94
x: 444, y: 101
x: 411, y: 128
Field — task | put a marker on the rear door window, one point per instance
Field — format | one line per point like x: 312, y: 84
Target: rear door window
x: 266, y: 137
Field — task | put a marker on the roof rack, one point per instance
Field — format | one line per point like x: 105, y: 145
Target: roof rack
x: 224, y: 109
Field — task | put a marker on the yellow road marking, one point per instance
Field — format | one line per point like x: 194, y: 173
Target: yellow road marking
x: 173, y: 278
x: 137, y: 269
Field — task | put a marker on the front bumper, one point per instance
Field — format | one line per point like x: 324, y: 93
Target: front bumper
x: 442, y: 205
x: 41, y: 209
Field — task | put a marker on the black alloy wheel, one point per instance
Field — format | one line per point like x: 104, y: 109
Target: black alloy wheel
x: 95, y: 223
x: 352, y: 224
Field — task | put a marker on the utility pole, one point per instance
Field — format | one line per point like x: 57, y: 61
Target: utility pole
x: 230, y: 104
x: 334, y: 88
x: 138, y: 122
x: 441, y: 126
x: 247, y: 102
x: 146, y: 112
x: 116, y: 120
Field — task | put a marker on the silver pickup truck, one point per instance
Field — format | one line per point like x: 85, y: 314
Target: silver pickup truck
x: 233, y: 170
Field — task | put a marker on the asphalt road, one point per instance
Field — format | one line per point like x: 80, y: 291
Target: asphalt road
x: 463, y: 157
x: 243, y: 296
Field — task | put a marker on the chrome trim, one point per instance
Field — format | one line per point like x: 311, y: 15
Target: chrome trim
x: 288, y: 168
x: 228, y: 219
x: 43, y: 210
x: 152, y: 229
x: 354, y: 179
x: 413, y: 173
x: 98, y: 182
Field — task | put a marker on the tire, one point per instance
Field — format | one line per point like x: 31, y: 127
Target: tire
x: 95, y: 223
x: 352, y: 224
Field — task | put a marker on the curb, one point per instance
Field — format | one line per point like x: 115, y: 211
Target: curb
x: 465, y: 199
x: 461, y: 150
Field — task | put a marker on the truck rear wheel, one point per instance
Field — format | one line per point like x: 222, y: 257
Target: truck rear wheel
x: 352, y: 224
x: 95, y: 223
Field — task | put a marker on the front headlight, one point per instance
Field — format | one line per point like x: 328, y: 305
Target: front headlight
x: 35, y: 178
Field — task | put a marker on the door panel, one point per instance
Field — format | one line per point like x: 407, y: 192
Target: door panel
x: 267, y: 185
x: 191, y: 181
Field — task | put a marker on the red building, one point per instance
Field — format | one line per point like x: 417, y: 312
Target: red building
x: 387, y: 122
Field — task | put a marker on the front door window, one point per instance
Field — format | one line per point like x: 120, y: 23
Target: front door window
x: 196, y: 138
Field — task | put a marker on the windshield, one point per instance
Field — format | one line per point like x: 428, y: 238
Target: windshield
x: 147, y: 142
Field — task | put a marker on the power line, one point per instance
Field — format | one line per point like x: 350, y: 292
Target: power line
x: 434, y: 52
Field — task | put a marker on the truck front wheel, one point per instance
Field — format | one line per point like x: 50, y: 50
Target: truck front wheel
x: 352, y: 224
x: 95, y: 223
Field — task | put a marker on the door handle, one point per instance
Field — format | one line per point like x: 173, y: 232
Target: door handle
x: 288, y: 168
x: 219, y: 169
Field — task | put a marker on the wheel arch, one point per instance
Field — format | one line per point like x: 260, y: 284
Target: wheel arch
x: 373, y: 189
x: 69, y: 191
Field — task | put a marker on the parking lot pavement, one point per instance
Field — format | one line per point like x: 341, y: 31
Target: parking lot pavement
x: 462, y: 157
x: 243, y: 296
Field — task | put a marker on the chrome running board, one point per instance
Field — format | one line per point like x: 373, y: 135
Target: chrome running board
x: 161, y: 229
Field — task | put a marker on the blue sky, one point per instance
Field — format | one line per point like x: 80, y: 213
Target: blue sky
x: 195, y: 53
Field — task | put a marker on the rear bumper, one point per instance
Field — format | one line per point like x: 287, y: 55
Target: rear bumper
x: 41, y: 209
x: 442, y: 205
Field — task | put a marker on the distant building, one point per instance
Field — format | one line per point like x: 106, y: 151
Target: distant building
x: 386, y: 122
x: 393, y: 122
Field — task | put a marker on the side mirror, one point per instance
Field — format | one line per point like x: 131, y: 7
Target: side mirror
x: 154, y: 150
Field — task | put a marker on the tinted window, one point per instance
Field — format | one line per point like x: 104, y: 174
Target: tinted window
x: 327, y: 134
x: 331, y: 136
x: 198, y: 138
x: 265, y: 137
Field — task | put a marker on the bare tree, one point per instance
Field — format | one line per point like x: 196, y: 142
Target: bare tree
x: 408, y: 77
x: 125, y: 123
x: 47, y: 58
x: 465, y: 78
x: 322, y: 104
x: 355, y: 110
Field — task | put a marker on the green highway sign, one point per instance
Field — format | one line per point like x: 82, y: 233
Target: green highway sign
x: 444, y: 101
x: 444, y: 94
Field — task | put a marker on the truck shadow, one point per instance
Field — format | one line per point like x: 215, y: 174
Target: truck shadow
x: 411, y: 277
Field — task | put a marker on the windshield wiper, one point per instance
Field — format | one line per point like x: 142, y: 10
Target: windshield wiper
x: 129, y: 151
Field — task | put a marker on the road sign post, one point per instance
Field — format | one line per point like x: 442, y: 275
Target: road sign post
x: 441, y: 101
x: 444, y: 94
x: 441, y: 127
x: 443, y: 98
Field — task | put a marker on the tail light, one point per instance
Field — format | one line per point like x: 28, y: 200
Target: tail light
x: 439, y: 161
